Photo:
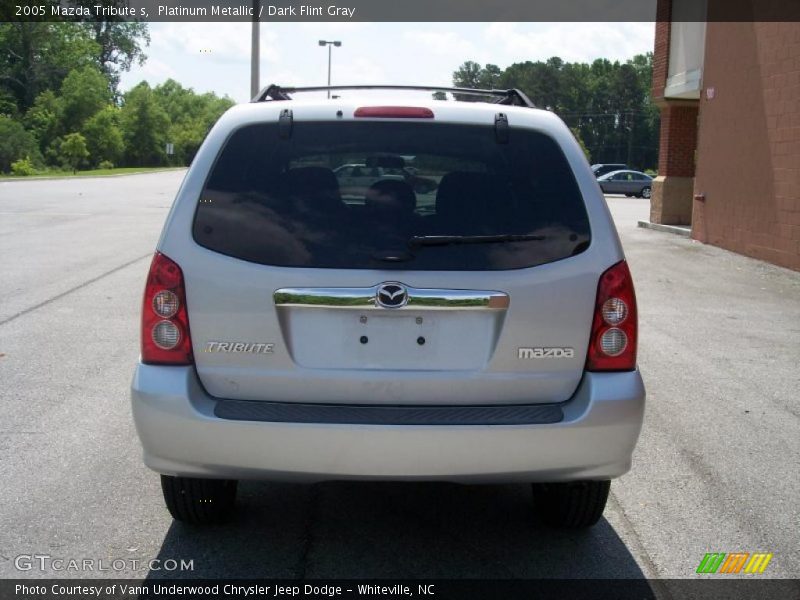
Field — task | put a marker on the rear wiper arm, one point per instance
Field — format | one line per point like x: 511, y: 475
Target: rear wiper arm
x: 446, y: 240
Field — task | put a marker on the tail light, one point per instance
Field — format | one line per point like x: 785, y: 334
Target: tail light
x: 612, y: 346
x: 165, y: 321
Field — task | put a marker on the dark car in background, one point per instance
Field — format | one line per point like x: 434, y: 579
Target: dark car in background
x: 630, y: 183
x: 603, y: 168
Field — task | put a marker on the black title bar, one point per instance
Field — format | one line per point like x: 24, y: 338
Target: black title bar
x: 434, y: 589
x: 395, y: 11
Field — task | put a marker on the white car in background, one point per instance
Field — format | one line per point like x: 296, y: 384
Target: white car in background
x: 355, y: 179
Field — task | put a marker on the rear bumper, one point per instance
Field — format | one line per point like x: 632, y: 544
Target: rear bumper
x: 181, y: 435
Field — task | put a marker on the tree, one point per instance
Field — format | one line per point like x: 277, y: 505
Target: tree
x: 490, y: 77
x: 144, y: 127
x: 577, y: 135
x: 84, y: 92
x: 191, y: 115
x: 15, y: 143
x: 121, y: 44
x: 468, y: 75
x: 73, y: 150
x: 606, y: 103
x: 37, y: 56
x: 8, y: 104
x: 187, y: 138
x: 104, y: 137
x: 473, y: 75
x: 43, y: 120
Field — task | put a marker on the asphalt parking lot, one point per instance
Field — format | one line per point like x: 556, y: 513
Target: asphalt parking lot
x: 717, y: 468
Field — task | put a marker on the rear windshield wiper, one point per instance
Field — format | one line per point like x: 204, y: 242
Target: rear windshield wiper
x: 446, y: 240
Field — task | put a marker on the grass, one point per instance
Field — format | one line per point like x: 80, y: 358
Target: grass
x: 90, y: 172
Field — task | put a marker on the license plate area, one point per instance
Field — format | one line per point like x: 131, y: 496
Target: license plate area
x: 391, y: 340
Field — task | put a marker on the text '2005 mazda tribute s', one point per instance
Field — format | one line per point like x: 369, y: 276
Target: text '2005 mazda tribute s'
x: 411, y: 290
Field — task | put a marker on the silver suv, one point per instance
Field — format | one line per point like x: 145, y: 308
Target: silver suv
x: 482, y: 329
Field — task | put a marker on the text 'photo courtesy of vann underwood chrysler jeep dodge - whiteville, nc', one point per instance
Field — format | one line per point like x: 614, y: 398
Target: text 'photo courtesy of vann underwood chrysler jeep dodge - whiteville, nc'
x: 389, y: 289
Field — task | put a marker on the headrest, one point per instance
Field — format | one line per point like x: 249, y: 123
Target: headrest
x: 401, y: 195
x: 464, y: 194
x: 313, y: 189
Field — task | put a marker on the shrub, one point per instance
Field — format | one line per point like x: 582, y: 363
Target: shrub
x: 106, y: 164
x: 103, y: 136
x: 14, y: 143
x: 23, y: 167
x: 73, y: 150
x: 144, y: 127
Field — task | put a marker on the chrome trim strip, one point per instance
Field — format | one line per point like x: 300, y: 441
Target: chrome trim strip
x: 366, y: 299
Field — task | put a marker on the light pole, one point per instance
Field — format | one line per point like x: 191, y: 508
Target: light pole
x: 329, y: 45
x: 254, y: 51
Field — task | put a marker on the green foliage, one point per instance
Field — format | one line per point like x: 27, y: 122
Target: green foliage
x: 43, y: 119
x: 59, y: 99
x: 84, y: 92
x: 23, y: 167
x: 15, y: 143
x: 468, y: 75
x: 121, y: 44
x: 52, y: 153
x: 473, y: 75
x: 105, y: 165
x: 73, y: 150
x: 144, y: 127
x: 132, y: 135
x: 37, y: 56
x: 191, y: 115
x: 608, y: 104
x: 577, y: 135
x: 104, y: 136
x: 8, y: 104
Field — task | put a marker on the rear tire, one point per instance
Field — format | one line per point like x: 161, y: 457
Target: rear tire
x: 572, y: 505
x: 198, y: 501
x: 646, y: 192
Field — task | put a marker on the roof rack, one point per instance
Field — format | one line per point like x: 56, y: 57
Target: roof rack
x: 512, y: 97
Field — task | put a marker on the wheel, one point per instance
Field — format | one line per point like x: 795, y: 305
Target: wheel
x: 198, y: 501
x: 572, y: 505
x: 646, y: 193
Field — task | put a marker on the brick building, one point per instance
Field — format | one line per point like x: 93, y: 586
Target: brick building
x: 729, y: 159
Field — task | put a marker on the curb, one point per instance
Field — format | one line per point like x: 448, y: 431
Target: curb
x: 676, y: 229
x: 61, y: 177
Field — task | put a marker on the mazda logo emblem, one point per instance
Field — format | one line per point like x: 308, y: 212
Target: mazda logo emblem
x: 391, y: 295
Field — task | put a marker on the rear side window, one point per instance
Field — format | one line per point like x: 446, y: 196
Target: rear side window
x: 367, y: 195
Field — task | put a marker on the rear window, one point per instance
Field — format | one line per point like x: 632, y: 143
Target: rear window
x: 374, y: 195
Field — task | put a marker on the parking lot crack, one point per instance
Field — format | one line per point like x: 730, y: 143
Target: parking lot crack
x: 312, y: 515
x: 74, y: 289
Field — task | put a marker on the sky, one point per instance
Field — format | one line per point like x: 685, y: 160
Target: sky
x: 216, y: 56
